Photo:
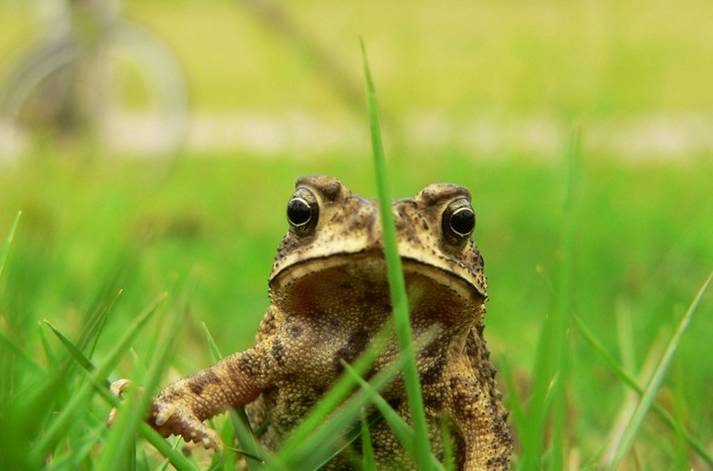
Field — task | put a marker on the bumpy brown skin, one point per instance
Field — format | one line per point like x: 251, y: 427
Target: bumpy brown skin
x: 329, y: 298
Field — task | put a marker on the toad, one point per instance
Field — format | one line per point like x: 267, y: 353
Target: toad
x: 329, y: 298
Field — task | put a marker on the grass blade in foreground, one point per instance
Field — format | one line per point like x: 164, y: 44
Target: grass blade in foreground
x: 19, y: 353
x: 8, y: 243
x: 544, y: 423
x: 74, y: 351
x: 58, y: 426
x: 397, y: 285
x: 561, y: 315
x: 177, y: 459
x: 340, y: 390
x: 367, y: 450
x: 398, y: 426
x: 631, y: 382
x: 320, y: 446
x: 49, y: 353
x: 324, y: 442
x: 121, y: 439
x: 652, y: 388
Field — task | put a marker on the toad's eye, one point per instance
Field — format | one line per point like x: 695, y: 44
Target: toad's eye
x: 462, y: 221
x: 298, y: 212
x: 458, y: 220
x: 302, y: 210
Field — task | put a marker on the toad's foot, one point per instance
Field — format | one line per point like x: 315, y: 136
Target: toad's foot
x: 176, y: 418
x: 182, y: 407
x: 117, y: 388
x: 171, y: 418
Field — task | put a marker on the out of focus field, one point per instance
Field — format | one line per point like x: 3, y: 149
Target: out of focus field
x: 95, y: 221
x: 579, y: 59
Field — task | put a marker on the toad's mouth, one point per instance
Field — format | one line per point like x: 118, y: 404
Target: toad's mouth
x: 358, y: 279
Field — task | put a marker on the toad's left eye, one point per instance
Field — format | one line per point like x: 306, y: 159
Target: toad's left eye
x: 458, y: 220
x: 303, y: 211
x: 298, y: 212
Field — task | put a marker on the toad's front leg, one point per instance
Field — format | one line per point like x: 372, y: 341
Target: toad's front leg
x: 182, y: 407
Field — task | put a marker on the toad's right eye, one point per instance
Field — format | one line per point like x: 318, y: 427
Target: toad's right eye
x: 302, y: 210
x: 458, y: 221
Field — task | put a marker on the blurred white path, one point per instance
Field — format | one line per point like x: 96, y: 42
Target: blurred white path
x: 668, y: 138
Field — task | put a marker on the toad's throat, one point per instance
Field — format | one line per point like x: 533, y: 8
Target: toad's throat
x: 361, y: 278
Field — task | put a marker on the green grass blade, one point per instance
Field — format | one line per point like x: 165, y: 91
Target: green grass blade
x: 121, y: 440
x: 532, y: 435
x: 547, y: 400
x: 153, y: 437
x: 254, y: 453
x: 107, y: 295
x: 229, y: 456
x: 561, y: 314
x: 180, y: 462
x: 80, y: 397
x: 176, y: 458
x: 367, y: 450
x: 77, y: 355
x: 43, y: 399
x: 102, y: 316
x: 630, y: 381
x: 73, y: 458
x: 398, y: 425
x: 625, y: 338
x: 401, y: 429
x: 215, y: 466
x: 163, y: 466
x: 18, y: 352
x: 652, y: 388
x: 397, y: 285
x: 215, y: 353
x: 350, y: 438
x: 49, y: 353
x: 449, y: 458
x: 628, y: 403
x: 320, y: 445
x: 679, y: 413
x: 8, y: 242
x: 336, y: 394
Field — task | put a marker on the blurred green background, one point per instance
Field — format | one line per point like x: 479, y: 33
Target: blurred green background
x: 485, y: 94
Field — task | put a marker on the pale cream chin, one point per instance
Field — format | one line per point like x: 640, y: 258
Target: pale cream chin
x: 460, y: 281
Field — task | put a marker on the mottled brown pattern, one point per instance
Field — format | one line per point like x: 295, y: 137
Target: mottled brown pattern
x: 329, y: 298
x: 201, y: 380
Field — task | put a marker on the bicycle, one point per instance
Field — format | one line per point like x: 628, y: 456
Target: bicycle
x: 70, y: 82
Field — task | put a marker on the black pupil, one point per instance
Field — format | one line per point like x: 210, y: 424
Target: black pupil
x: 298, y: 212
x: 463, y: 221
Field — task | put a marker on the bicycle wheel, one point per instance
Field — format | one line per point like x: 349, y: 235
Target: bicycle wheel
x: 75, y: 90
x: 142, y: 97
x: 34, y: 91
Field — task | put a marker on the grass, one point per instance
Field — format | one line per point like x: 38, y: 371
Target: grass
x: 589, y: 260
x: 649, y: 394
x: 397, y: 285
x: 98, y: 228
x: 565, y: 246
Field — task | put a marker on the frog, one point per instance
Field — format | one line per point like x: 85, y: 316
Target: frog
x: 329, y: 299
